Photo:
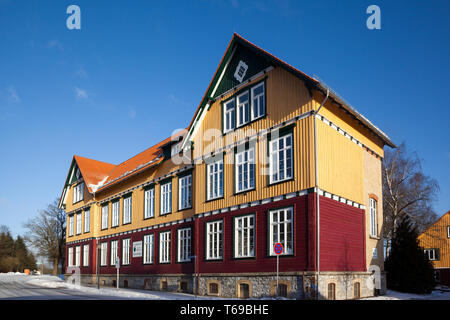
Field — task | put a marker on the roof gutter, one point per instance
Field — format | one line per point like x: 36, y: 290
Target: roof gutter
x: 317, y: 195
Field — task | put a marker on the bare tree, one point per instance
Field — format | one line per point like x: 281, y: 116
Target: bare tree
x: 47, y: 234
x: 406, y: 191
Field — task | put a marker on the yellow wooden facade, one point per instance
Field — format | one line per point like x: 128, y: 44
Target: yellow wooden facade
x: 437, y: 236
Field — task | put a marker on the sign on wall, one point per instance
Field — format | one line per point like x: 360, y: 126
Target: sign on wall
x: 137, y: 249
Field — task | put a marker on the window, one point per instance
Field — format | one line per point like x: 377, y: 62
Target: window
x: 149, y: 206
x: 258, y: 101
x: 164, y: 247
x: 244, y: 242
x: 114, y: 252
x: 373, y: 218
x: 166, y: 198
x: 105, y: 212
x: 243, y: 108
x: 245, y: 170
x: 70, y: 257
x: 78, y: 219
x: 215, y: 180
x: 87, y: 220
x: 280, y: 162
x: 214, y: 240
x: 77, y: 256
x: 70, y: 226
x: 184, y: 244
x: 282, y: 290
x: 432, y: 254
x: 229, y: 108
x: 214, y: 288
x: 78, y: 192
x: 115, y: 213
x: 240, y: 71
x: 280, y: 222
x: 127, y: 210
x: 85, y: 255
x: 448, y: 231
x: 331, y: 291
x: 437, y: 276
x: 126, y: 251
x: 244, y: 290
x: 103, y: 253
x: 148, y: 248
x: 185, y: 192
x: 356, y: 290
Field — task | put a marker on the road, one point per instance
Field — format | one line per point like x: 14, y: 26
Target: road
x: 15, y: 288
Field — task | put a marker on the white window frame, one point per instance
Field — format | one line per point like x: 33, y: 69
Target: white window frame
x: 214, y: 240
x: 261, y: 113
x: 185, y: 192
x: 127, y: 209
x: 149, y: 205
x: 77, y: 256
x: 246, y: 233
x: 126, y: 245
x: 241, y: 66
x: 245, y: 107
x: 78, y: 192
x: 78, y: 223
x: 105, y: 214
x: 71, y: 225
x: 164, y: 246
x: 87, y: 220
x: 229, y: 115
x: 104, y: 254
x: 166, y: 198
x: 284, y: 227
x: 184, y: 244
x: 431, y: 254
x: 70, y: 257
x: 249, y: 165
x: 276, y: 164
x: 86, y: 255
x: 373, y: 217
x: 215, y: 179
x: 115, y: 213
x: 448, y: 231
x: 148, y: 248
x: 114, y: 252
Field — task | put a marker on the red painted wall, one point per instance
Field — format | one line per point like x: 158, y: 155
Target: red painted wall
x: 342, y: 236
x: 342, y: 242
x: 262, y: 262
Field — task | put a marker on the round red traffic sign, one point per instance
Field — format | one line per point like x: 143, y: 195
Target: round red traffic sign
x: 278, y: 248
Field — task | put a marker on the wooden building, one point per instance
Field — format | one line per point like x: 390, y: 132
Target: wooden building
x: 270, y: 155
x: 435, y: 241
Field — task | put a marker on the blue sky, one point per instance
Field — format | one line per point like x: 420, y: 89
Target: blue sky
x: 137, y: 70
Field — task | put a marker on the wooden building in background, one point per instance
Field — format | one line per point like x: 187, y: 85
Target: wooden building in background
x: 435, y: 241
x: 270, y: 155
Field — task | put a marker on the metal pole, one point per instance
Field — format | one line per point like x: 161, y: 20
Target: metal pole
x: 196, y: 276
x: 278, y: 265
x: 117, y: 278
x: 96, y: 266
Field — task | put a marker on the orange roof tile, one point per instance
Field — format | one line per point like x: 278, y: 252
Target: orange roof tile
x: 93, y: 171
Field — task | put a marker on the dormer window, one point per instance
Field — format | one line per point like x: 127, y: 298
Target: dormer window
x: 175, y: 149
x: 241, y: 70
x: 78, y: 192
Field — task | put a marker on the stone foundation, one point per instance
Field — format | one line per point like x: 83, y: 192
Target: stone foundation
x: 332, y: 285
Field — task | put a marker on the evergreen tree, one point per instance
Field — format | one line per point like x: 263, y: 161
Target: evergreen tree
x: 408, y: 268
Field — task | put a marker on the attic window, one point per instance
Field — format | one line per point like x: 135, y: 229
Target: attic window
x: 241, y: 70
x: 175, y: 149
x: 78, y: 174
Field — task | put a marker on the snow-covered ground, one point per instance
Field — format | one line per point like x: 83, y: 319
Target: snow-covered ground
x: 13, y: 283
x: 440, y: 293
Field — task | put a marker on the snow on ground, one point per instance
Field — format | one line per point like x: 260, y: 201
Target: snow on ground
x: 440, y: 293
x: 53, y: 282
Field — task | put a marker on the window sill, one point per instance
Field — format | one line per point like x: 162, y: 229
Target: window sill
x: 374, y: 237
